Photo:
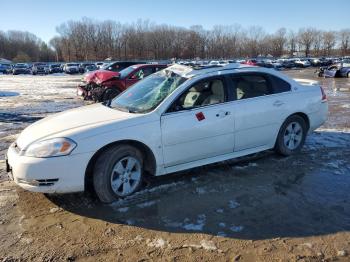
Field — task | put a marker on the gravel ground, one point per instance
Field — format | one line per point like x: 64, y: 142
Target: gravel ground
x: 258, y: 208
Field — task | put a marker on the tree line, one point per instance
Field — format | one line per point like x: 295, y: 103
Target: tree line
x: 90, y: 40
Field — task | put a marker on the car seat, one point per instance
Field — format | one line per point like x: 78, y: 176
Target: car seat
x: 217, y: 93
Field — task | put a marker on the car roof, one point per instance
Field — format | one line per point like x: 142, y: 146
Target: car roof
x: 189, y: 72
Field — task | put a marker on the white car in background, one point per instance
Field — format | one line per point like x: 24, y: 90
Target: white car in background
x: 71, y: 68
x: 302, y: 62
x: 175, y: 119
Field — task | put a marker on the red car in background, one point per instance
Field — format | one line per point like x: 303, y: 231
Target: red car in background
x: 251, y: 62
x: 104, y: 85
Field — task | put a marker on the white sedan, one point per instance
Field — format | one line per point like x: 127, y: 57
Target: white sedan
x: 176, y: 119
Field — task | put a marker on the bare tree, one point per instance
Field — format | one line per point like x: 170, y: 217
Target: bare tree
x: 329, y: 41
x: 344, y: 37
x: 306, y: 38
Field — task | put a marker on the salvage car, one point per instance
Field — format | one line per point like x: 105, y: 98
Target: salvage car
x: 338, y: 70
x: 104, y: 85
x: 40, y: 69
x: 20, y: 68
x: 175, y: 119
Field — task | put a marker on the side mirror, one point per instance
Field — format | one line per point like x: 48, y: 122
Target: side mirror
x: 133, y: 77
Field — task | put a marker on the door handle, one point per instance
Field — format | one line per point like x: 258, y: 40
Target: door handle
x: 223, y: 114
x: 278, y: 103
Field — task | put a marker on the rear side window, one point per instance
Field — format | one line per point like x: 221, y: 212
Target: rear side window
x: 250, y: 86
x: 279, y: 85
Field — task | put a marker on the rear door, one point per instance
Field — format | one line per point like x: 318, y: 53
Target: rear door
x: 199, y: 124
x: 260, y: 107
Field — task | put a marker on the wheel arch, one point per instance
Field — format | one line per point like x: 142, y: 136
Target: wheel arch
x: 302, y: 115
x: 149, y: 163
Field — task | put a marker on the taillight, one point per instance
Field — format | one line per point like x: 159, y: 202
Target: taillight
x: 323, y: 93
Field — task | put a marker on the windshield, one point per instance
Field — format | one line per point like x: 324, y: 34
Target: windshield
x: 124, y: 73
x: 104, y: 66
x: 72, y: 65
x: 20, y: 66
x: 147, y: 94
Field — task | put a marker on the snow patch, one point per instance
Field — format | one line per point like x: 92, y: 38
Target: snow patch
x: 208, y: 245
x: 123, y: 209
x: 222, y: 224
x: 147, y: 204
x: 197, y: 226
x: 236, y: 229
x: 233, y: 204
x: 200, y: 190
x: 158, y: 243
x: 244, y: 167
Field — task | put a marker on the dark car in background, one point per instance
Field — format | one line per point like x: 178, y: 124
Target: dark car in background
x: 5, y: 69
x: 21, y: 68
x: 87, y: 67
x: 120, y: 65
x: 40, y: 69
x: 55, y: 68
x: 106, y: 85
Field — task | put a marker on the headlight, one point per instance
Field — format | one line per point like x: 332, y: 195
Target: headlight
x: 51, y: 147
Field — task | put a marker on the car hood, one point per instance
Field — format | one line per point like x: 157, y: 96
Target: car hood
x: 100, y: 76
x: 92, y: 115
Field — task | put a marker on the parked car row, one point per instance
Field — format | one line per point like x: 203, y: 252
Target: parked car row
x: 278, y: 63
x: 49, y: 68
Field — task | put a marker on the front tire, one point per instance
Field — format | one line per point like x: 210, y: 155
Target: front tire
x: 118, y: 173
x: 291, y: 136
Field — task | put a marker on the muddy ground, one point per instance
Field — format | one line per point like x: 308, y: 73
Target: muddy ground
x: 259, y: 208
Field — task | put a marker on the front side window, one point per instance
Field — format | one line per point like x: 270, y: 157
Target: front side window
x: 201, y: 94
x: 147, y: 94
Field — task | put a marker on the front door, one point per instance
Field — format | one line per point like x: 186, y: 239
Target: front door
x: 198, y: 125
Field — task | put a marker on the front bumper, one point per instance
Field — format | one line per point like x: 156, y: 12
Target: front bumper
x: 64, y: 174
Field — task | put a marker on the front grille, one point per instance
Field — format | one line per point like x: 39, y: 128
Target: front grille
x: 38, y: 182
x: 47, y: 182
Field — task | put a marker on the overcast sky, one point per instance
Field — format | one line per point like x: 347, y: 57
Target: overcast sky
x: 41, y: 17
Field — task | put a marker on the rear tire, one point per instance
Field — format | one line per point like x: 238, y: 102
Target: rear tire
x: 118, y: 173
x: 291, y: 136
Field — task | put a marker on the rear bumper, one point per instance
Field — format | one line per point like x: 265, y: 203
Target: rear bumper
x: 48, y: 175
x: 319, y: 117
